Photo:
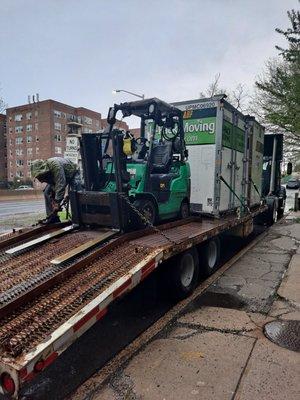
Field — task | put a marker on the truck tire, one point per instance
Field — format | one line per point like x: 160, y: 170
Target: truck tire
x: 148, y: 209
x: 182, y: 274
x: 271, y: 214
x: 184, y: 211
x: 281, y: 207
x: 209, y: 256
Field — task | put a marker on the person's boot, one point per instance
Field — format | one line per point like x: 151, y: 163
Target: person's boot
x: 52, y: 219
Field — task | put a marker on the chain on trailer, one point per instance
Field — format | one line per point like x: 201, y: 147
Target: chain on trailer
x: 144, y: 219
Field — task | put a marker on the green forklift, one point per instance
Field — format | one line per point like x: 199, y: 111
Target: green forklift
x: 134, y: 181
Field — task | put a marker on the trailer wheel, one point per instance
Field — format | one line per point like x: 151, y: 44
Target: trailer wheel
x: 271, y: 214
x: 281, y: 208
x: 184, y: 211
x: 183, y: 271
x: 209, y: 255
x: 148, y: 209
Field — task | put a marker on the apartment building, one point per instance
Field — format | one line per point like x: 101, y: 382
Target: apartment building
x: 3, y: 151
x: 39, y: 130
x: 119, y: 124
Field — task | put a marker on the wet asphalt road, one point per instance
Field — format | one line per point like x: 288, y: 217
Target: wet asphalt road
x: 125, y: 320
x: 8, y: 208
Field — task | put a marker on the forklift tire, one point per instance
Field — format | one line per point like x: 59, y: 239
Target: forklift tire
x: 184, y: 211
x: 182, y: 274
x: 209, y: 256
x: 148, y: 209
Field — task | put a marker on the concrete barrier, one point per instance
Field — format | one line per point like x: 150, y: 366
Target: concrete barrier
x: 15, y: 195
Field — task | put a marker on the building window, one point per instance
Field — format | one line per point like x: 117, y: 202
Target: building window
x: 10, y: 130
x: 37, y: 139
x: 19, y: 163
x: 57, y: 114
x: 29, y: 151
x: 29, y: 174
x: 57, y: 150
x: 18, y: 117
x: 19, y: 152
x: 19, y: 140
x: 36, y: 113
x: 10, y: 119
x: 57, y: 137
x: 28, y: 115
x: 19, y: 174
x: 28, y: 128
x: 10, y: 153
x: 11, y: 175
x: 37, y: 150
x: 57, y: 126
x: 36, y: 125
x: 63, y: 115
x: 72, y: 117
x: 29, y: 163
x: 97, y: 124
x: 19, y: 129
x: 10, y: 142
x: 87, y: 120
x: 29, y: 139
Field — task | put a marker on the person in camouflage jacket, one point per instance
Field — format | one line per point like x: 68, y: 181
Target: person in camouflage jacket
x: 57, y: 172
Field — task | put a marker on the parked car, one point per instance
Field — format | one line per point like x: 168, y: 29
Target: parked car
x: 24, y: 187
x: 293, y: 183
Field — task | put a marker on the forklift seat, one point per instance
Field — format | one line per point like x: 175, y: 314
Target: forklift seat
x: 161, y: 158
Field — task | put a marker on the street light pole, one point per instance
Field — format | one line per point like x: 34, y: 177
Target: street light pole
x: 141, y: 96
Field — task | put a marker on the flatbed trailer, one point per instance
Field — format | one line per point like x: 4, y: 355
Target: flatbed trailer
x: 35, y: 332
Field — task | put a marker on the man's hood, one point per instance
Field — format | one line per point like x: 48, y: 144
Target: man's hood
x: 39, y: 168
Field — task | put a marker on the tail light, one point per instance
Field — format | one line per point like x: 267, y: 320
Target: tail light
x: 7, y: 383
x: 39, y: 366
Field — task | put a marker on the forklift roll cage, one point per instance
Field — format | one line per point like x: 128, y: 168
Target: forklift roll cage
x: 167, y: 133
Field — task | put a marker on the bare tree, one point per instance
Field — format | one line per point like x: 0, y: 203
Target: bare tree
x: 213, y: 88
x: 237, y: 97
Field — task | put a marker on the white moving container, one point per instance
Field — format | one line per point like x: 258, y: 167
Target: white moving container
x: 216, y: 136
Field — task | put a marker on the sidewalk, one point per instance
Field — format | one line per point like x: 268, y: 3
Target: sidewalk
x: 217, y: 349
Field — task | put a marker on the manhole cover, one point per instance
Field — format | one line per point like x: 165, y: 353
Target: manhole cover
x: 284, y: 333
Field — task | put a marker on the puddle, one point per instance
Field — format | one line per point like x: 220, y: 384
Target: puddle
x: 214, y: 299
x: 284, y: 333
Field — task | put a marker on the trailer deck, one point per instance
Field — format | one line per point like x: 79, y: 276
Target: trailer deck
x: 34, y: 334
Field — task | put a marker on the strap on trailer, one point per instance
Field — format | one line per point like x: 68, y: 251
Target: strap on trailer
x: 255, y: 187
x: 232, y: 191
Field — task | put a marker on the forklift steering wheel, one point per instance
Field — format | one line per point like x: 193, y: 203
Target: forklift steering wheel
x: 139, y: 140
x: 170, y: 137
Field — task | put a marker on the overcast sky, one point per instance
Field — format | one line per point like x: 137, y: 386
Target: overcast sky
x: 76, y: 51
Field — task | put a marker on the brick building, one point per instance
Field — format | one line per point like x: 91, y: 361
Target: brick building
x: 39, y: 130
x: 3, y: 151
x: 118, y: 124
